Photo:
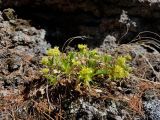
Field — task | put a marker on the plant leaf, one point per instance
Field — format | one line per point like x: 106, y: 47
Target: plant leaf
x: 100, y: 72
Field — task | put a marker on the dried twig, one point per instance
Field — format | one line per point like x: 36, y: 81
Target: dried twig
x: 48, y: 97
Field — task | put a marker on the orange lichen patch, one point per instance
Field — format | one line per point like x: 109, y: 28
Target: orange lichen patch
x: 135, y: 104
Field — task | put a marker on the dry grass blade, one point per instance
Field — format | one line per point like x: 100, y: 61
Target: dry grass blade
x: 144, y: 32
x: 72, y: 39
x: 141, y: 38
x: 135, y: 103
x: 156, y: 84
x: 156, y: 73
x: 50, y: 104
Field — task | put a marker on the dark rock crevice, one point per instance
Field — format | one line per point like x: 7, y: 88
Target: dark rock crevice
x: 65, y: 19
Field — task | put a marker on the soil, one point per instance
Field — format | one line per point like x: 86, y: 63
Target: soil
x: 25, y: 94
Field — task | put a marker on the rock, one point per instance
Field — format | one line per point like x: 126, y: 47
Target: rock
x: 109, y: 43
x: 19, y: 43
x: 14, y: 63
x: 99, y: 110
x: 149, y: 95
x: 152, y: 108
x: 9, y: 14
x: 150, y: 1
x: 1, y: 18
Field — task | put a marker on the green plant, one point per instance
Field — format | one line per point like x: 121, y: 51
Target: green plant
x: 83, y: 65
x: 86, y: 75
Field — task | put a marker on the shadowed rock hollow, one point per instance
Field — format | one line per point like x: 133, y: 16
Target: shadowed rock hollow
x: 64, y: 19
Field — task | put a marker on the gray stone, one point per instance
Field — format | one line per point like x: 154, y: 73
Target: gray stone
x: 153, y: 109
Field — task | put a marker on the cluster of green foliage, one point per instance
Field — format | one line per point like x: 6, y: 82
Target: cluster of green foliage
x: 83, y: 65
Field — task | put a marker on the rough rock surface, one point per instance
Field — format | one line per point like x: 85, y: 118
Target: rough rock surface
x: 21, y: 47
x: 19, y: 42
x: 153, y: 109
